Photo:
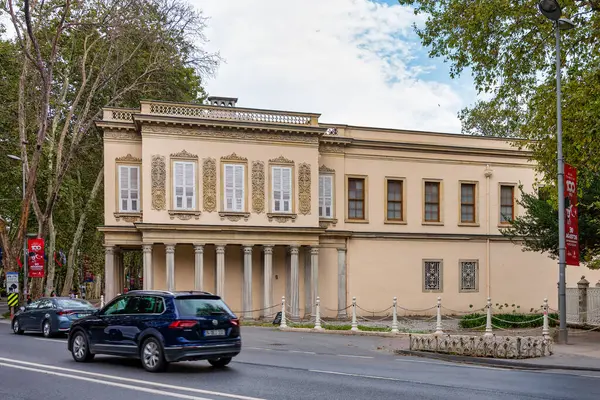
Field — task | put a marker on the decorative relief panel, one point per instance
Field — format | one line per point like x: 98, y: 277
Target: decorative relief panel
x: 128, y: 217
x: 209, y: 185
x: 129, y: 158
x: 234, y: 216
x: 184, y: 154
x: 159, y: 177
x: 331, y: 148
x: 234, y: 157
x: 304, y: 189
x: 281, y: 217
x: 258, y: 187
x: 123, y: 135
x: 281, y: 160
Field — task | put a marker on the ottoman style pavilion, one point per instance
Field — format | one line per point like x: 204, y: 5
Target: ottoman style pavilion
x: 256, y: 204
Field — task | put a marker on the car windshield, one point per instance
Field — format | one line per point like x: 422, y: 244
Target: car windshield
x: 74, y: 303
x: 201, y: 307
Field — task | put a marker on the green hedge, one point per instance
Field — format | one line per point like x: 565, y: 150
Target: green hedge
x: 507, y: 321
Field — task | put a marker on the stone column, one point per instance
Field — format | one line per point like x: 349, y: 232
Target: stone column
x: 247, y: 288
x: 220, y: 271
x: 342, y: 299
x: 268, y: 281
x: 119, y: 271
x: 148, y: 270
x: 314, y: 273
x: 199, y: 267
x: 109, y: 274
x: 582, y: 287
x: 170, y: 250
x: 294, y: 287
x: 308, y: 308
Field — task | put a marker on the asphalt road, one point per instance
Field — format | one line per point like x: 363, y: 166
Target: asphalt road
x: 274, y: 365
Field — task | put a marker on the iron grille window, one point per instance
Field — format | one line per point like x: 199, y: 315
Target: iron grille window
x: 469, y: 276
x: 432, y: 275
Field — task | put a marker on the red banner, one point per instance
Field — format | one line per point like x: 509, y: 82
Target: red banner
x: 36, y: 258
x: 571, y: 216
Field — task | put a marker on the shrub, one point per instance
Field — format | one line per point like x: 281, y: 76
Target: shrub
x: 507, y: 321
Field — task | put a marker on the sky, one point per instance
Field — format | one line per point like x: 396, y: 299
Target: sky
x: 357, y: 62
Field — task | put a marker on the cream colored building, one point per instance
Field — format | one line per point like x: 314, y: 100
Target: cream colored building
x: 256, y: 204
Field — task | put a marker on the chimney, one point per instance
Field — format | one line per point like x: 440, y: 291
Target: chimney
x: 222, y: 101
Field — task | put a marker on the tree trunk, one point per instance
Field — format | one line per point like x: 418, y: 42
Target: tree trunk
x: 50, y: 251
x: 67, y: 285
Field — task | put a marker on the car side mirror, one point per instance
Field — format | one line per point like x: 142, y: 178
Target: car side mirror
x: 22, y: 308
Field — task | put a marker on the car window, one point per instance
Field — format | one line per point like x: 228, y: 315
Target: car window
x: 74, y: 304
x: 34, y: 305
x: 150, y: 305
x: 201, y: 307
x: 45, y: 304
x: 117, y: 307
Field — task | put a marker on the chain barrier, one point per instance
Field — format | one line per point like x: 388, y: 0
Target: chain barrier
x: 257, y: 310
x: 374, y: 312
x: 517, y: 322
x: 338, y: 310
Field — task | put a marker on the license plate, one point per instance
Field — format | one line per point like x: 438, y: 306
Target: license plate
x: 215, y: 332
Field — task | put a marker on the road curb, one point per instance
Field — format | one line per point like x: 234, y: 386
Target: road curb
x: 494, y: 362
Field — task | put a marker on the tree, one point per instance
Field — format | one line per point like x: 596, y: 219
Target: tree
x: 509, y: 48
x: 75, y: 58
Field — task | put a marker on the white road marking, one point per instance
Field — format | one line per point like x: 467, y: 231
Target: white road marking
x: 51, y: 340
x: 130, y: 380
x: 302, y: 352
x: 258, y: 348
x: 358, y: 375
x: 351, y: 356
x: 102, y: 382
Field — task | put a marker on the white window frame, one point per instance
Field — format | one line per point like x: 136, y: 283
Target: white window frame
x: 322, y: 198
x: 185, y: 185
x: 237, y: 187
x: 281, y: 196
x: 130, y: 199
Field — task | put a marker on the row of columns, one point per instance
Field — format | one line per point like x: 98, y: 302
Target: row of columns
x: 115, y: 275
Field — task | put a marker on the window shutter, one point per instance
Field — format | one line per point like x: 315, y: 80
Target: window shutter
x: 229, y: 187
x: 239, y: 188
x: 321, y: 197
x: 286, y: 189
x: 124, y: 188
x: 277, y: 189
x: 189, y: 186
x: 134, y: 188
x: 327, y: 196
x: 129, y: 188
x: 179, y: 182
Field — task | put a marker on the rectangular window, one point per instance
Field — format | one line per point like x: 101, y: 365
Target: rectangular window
x: 184, y: 182
x: 469, y: 276
x: 432, y: 202
x: 282, y: 189
x: 234, y: 187
x: 326, y: 196
x: 356, y: 198
x: 467, y: 203
x: 432, y: 275
x: 129, y: 188
x: 394, y: 189
x: 507, y: 204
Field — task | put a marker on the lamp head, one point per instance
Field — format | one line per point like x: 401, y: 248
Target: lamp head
x: 565, y: 24
x: 13, y: 157
x: 550, y: 9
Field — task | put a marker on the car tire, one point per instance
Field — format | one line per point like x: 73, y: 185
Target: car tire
x: 152, y: 355
x: 220, y: 362
x: 47, y: 329
x: 80, y: 348
x: 16, y: 327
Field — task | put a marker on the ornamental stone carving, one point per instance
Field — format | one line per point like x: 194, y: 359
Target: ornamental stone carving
x: 258, y: 187
x: 209, y: 185
x: 281, y: 160
x: 331, y: 148
x: 234, y: 157
x: 304, y: 189
x: 122, y: 135
x: 129, y: 158
x: 326, y: 170
x: 234, y: 216
x: 128, y: 217
x: 159, y: 177
x: 184, y: 154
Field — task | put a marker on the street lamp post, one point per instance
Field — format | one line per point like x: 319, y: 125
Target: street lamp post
x: 551, y: 10
x: 25, y: 269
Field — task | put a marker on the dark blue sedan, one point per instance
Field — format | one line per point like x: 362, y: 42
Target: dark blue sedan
x: 159, y: 327
x: 51, y: 315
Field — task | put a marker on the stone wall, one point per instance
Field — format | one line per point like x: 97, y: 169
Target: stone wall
x: 483, y: 346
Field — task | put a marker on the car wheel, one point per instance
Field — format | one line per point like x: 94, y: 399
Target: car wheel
x: 80, y: 349
x: 47, y: 329
x: 220, y: 362
x: 152, y: 356
x: 16, y: 327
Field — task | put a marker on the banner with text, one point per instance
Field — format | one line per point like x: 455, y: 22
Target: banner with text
x: 36, y: 257
x: 571, y: 216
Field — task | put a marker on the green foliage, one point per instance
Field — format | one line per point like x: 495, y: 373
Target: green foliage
x: 506, y: 321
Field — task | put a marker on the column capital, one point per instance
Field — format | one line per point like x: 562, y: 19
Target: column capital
x: 199, y: 248
x: 294, y: 249
x: 314, y: 250
x: 268, y: 248
x: 109, y: 249
x: 247, y: 248
x: 220, y: 249
x: 170, y: 248
x: 341, y: 250
x: 147, y: 248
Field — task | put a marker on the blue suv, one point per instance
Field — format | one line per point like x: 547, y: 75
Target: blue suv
x: 159, y: 327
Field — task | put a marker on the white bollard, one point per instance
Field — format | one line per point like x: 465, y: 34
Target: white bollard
x: 283, y: 324
x: 354, y: 323
x: 101, y: 301
x: 395, y: 317
x: 318, y: 314
x: 438, y: 325
x: 546, y: 327
x: 488, y: 322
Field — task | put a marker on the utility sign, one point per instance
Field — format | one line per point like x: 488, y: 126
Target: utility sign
x: 12, y: 282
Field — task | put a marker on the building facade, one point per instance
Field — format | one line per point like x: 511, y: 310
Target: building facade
x: 256, y: 204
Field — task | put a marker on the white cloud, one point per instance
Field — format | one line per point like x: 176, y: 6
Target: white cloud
x: 353, y: 61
